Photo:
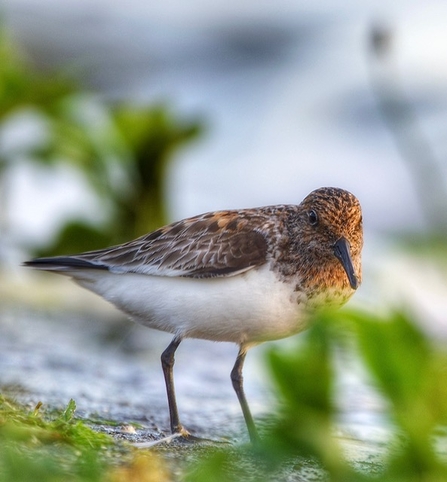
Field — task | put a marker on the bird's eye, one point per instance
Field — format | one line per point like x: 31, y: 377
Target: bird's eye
x: 313, y: 218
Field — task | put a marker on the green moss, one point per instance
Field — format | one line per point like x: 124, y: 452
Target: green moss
x: 56, y: 448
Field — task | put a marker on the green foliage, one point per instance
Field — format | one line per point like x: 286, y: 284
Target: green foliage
x: 121, y: 151
x: 152, y: 135
x: 22, y: 86
x: 409, y: 371
x: 412, y: 375
x: 426, y: 245
x: 76, y: 236
x: 58, y: 449
x: 304, y: 381
x: 407, y: 368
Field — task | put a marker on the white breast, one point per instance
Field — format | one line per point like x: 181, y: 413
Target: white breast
x: 249, y: 308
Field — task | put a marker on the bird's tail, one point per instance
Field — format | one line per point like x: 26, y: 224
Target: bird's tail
x: 62, y: 263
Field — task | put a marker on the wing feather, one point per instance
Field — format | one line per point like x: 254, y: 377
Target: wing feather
x: 216, y: 244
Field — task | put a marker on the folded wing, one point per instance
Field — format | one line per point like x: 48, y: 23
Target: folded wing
x: 217, y: 244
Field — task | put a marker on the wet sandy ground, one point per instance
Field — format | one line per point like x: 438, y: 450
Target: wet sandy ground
x: 111, y: 368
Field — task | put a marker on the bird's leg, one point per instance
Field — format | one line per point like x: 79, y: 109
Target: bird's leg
x: 167, y: 363
x: 237, y: 380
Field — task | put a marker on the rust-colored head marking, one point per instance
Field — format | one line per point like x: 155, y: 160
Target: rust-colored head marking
x: 331, y: 222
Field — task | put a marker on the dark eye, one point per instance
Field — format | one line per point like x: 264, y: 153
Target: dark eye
x: 313, y: 218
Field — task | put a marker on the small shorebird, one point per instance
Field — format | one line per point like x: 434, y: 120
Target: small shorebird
x: 243, y: 276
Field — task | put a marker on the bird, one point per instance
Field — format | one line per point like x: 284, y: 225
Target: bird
x: 244, y: 276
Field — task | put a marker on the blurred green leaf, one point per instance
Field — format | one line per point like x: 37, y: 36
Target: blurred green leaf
x: 77, y: 236
x: 68, y: 414
x: 23, y: 85
x: 121, y: 150
x: 397, y: 353
x: 304, y: 379
x: 151, y: 134
x: 305, y: 425
x: 411, y: 373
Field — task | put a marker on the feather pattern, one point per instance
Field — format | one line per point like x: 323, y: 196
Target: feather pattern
x: 218, y: 244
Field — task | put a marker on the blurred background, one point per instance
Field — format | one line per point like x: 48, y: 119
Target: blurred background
x: 118, y: 117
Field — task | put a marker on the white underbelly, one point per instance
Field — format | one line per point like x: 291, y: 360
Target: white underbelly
x: 249, y: 308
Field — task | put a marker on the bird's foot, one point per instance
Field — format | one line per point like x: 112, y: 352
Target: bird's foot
x: 181, y: 435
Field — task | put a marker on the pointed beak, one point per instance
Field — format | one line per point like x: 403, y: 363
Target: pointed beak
x: 343, y: 254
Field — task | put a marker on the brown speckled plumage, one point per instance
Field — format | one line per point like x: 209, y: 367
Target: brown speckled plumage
x: 227, y: 243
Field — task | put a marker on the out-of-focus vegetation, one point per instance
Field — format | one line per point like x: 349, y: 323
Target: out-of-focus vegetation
x: 57, y: 447
x: 36, y: 449
x: 121, y: 150
x: 407, y: 368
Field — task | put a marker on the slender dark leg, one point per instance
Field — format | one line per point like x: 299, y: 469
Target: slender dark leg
x: 167, y: 363
x: 237, y: 380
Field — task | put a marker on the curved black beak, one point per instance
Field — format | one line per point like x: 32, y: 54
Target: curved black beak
x: 343, y: 253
